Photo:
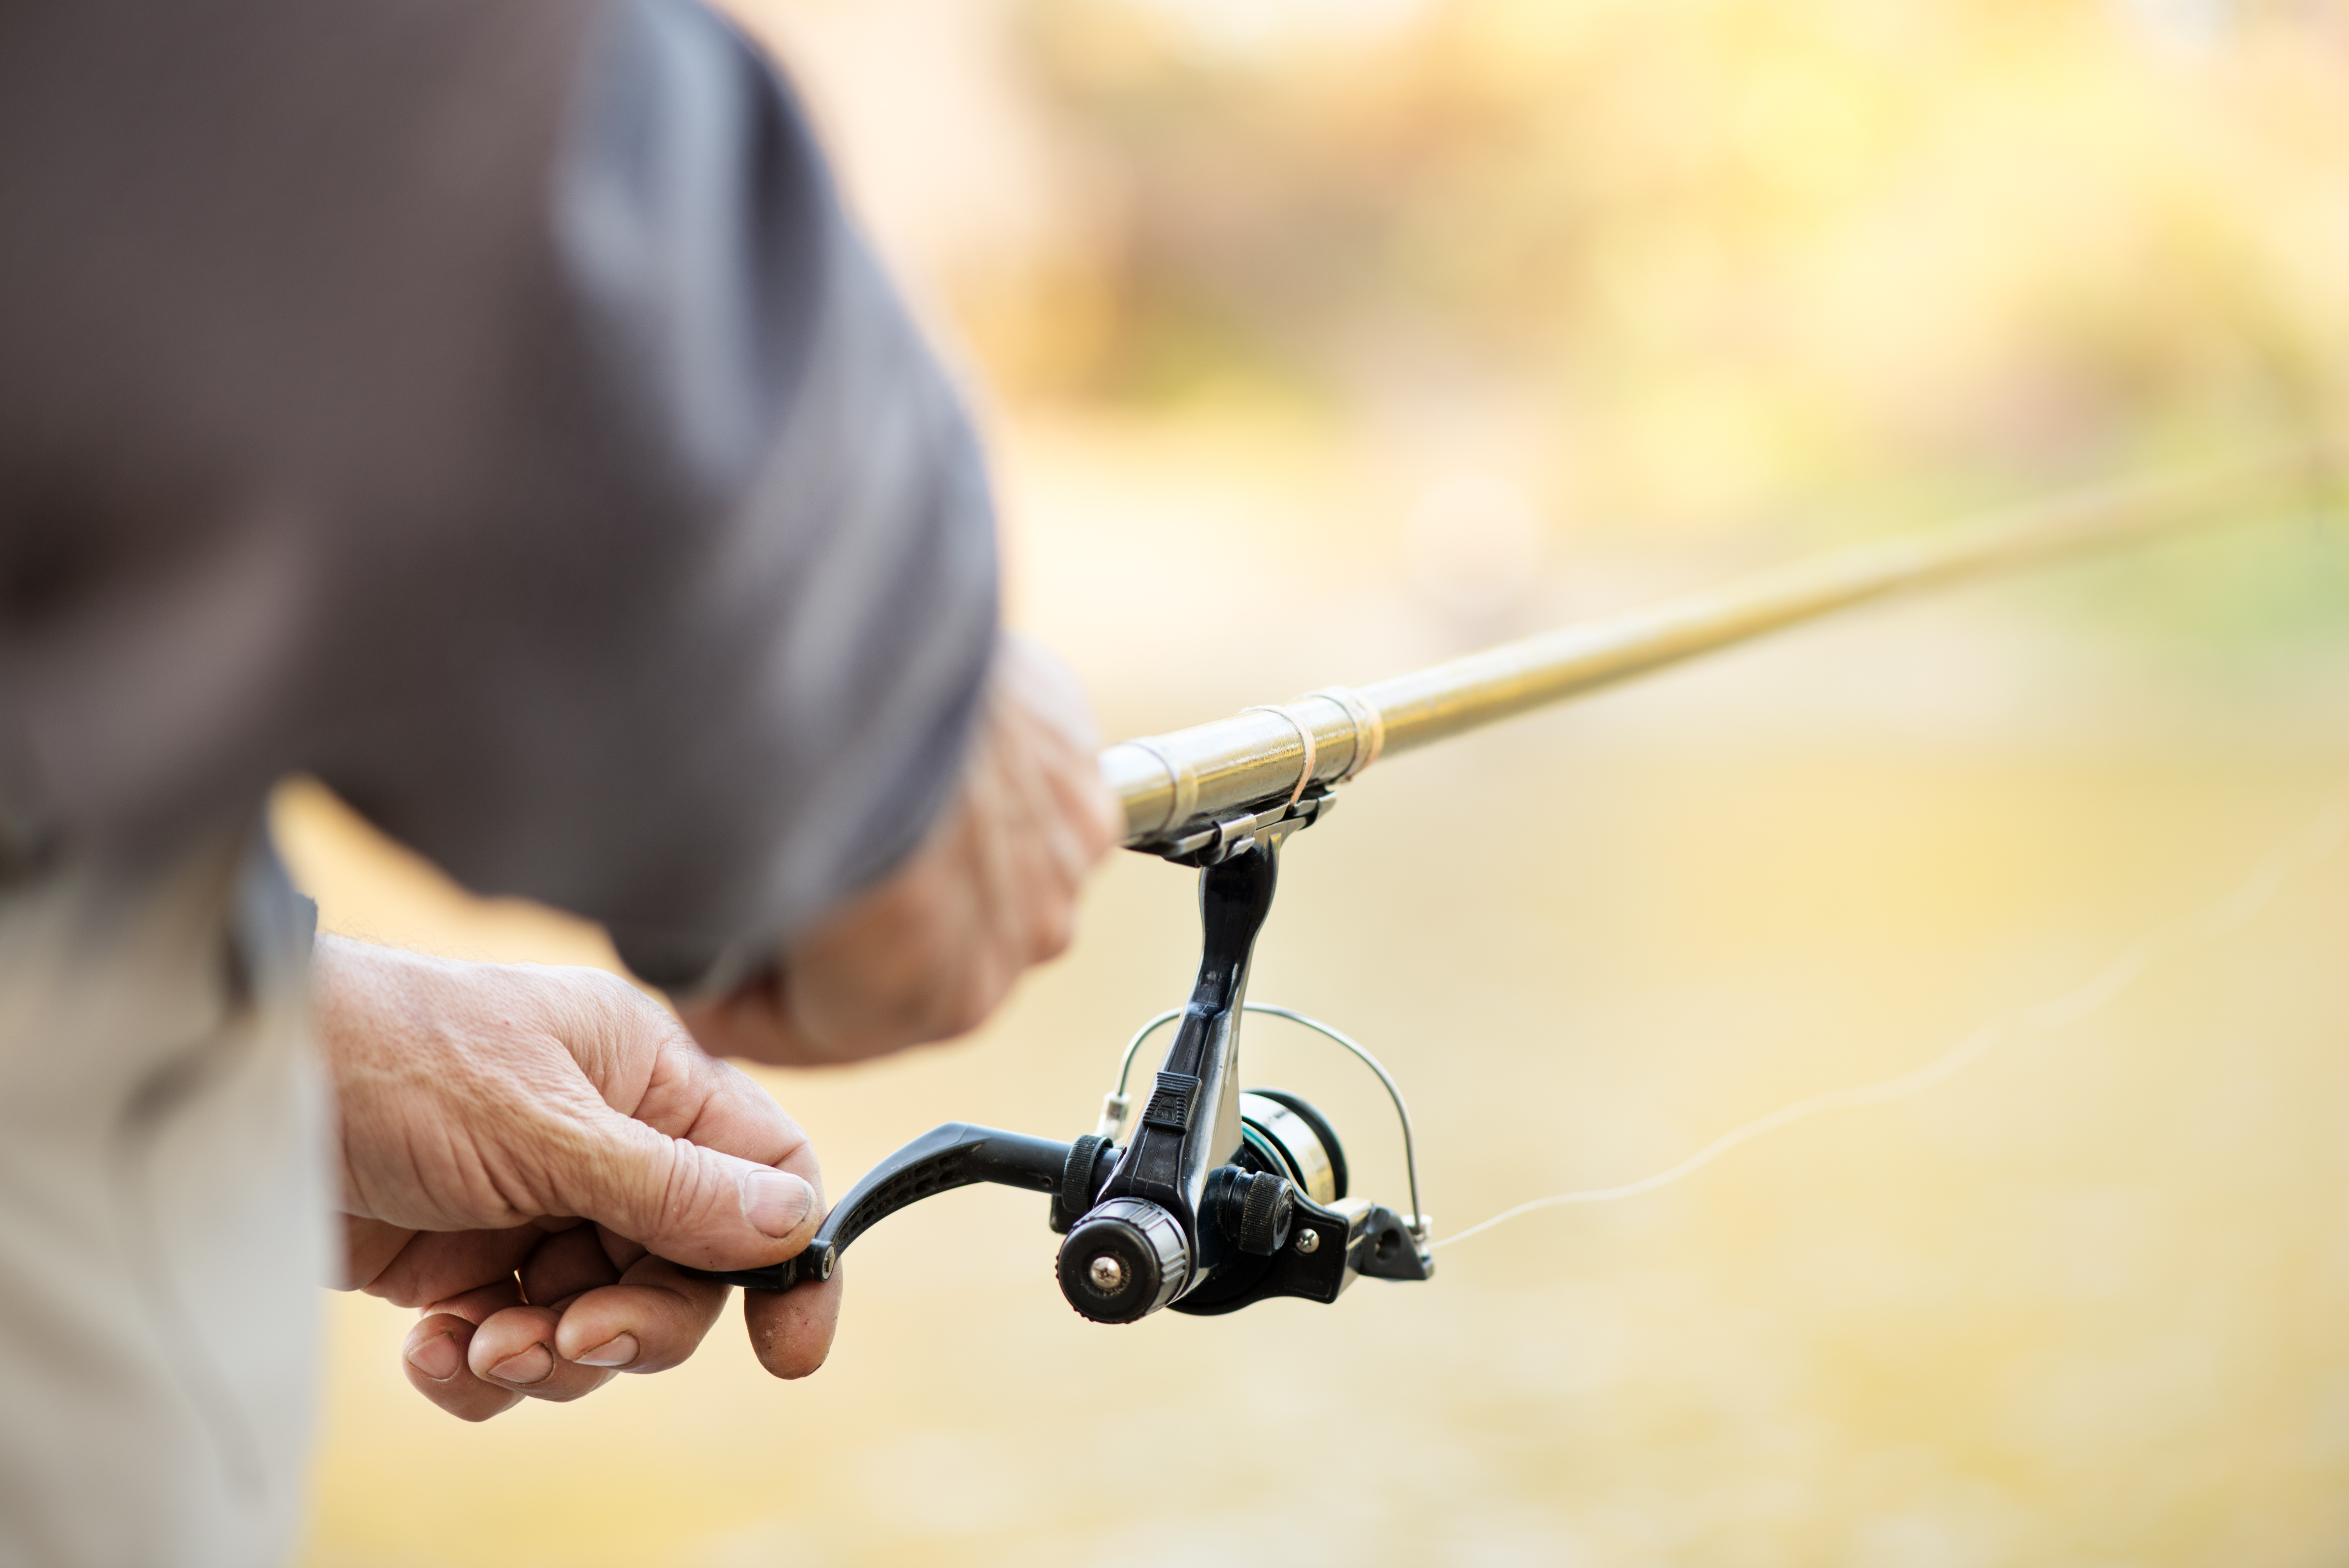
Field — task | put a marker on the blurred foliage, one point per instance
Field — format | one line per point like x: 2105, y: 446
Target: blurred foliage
x: 1725, y: 256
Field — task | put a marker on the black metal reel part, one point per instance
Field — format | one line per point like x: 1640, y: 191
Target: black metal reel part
x: 1222, y: 1198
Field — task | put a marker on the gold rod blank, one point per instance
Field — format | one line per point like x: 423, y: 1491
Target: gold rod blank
x: 1214, y: 769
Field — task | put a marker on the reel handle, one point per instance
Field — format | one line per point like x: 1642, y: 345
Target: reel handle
x: 1317, y: 1254
x: 956, y: 1155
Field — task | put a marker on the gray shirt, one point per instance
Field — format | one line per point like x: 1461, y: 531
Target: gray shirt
x: 485, y: 405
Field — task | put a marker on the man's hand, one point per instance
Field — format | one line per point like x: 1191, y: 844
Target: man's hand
x: 519, y: 1142
x: 929, y: 952
x: 516, y: 1139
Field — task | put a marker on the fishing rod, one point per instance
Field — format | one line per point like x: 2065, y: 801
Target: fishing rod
x: 1221, y: 1196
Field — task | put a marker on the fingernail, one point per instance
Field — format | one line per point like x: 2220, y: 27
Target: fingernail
x: 534, y: 1365
x: 438, y: 1357
x: 776, y: 1201
x: 618, y: 1351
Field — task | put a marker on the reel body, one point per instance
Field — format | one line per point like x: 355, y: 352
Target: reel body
x: 1221, y: 1198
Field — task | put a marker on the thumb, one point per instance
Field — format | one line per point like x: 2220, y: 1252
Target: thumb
x: 692, y: 1205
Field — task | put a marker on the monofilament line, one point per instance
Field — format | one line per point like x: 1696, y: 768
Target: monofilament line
x: 2300, y: 852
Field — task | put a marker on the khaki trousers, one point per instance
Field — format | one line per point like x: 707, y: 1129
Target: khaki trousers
x: 164, y: 1211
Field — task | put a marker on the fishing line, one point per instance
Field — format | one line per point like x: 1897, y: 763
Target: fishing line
x: 2302, y: 851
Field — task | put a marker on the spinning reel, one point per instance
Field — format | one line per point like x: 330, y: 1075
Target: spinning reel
x: 1221, y: 1196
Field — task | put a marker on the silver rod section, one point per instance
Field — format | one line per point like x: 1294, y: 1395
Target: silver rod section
x: 1212, y: 770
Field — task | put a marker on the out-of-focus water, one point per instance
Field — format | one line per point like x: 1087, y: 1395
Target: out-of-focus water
x: 2087, y: 1303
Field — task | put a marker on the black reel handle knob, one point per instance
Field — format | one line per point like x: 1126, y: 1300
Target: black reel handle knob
x: 1123, y: 1261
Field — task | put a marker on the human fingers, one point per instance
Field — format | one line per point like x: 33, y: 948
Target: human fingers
x: 1041, y: 683
x: 1057, y: 816
x: 369, y: 1248
x: 656, y: 1314
x: 686, y: 1156
x: 688, y: 1202
x: 653, y: 1314
x: 1036, y: 820
x: 514, y: 1348
x: 562, y: 1267
x: 1044, y: 814
x: 438, y: 1265
x: 687, y: 1093
x: 645, y: 1315
x: 753, y: 1021
x: 435, y: 1355
x: 1045, y: 691
x: 930, y: 951
x: 1042, y: 817
x: 651, y: 1321
x: 791, y: 1330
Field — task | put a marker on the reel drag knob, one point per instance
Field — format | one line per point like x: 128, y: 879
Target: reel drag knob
x: 1123, y: 1261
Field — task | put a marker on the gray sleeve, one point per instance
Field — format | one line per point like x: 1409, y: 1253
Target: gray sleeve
x: 485, y: 404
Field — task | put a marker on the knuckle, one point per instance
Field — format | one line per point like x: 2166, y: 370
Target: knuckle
x: 1055, y: 930
x: 689, y: 1195
x: 630, y: 1008
x: 967, y: 1006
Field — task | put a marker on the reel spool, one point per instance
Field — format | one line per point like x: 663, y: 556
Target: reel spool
x: 1220, y: 1197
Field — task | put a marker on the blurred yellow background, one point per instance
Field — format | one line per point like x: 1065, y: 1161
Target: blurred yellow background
x: 1321, y: 338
